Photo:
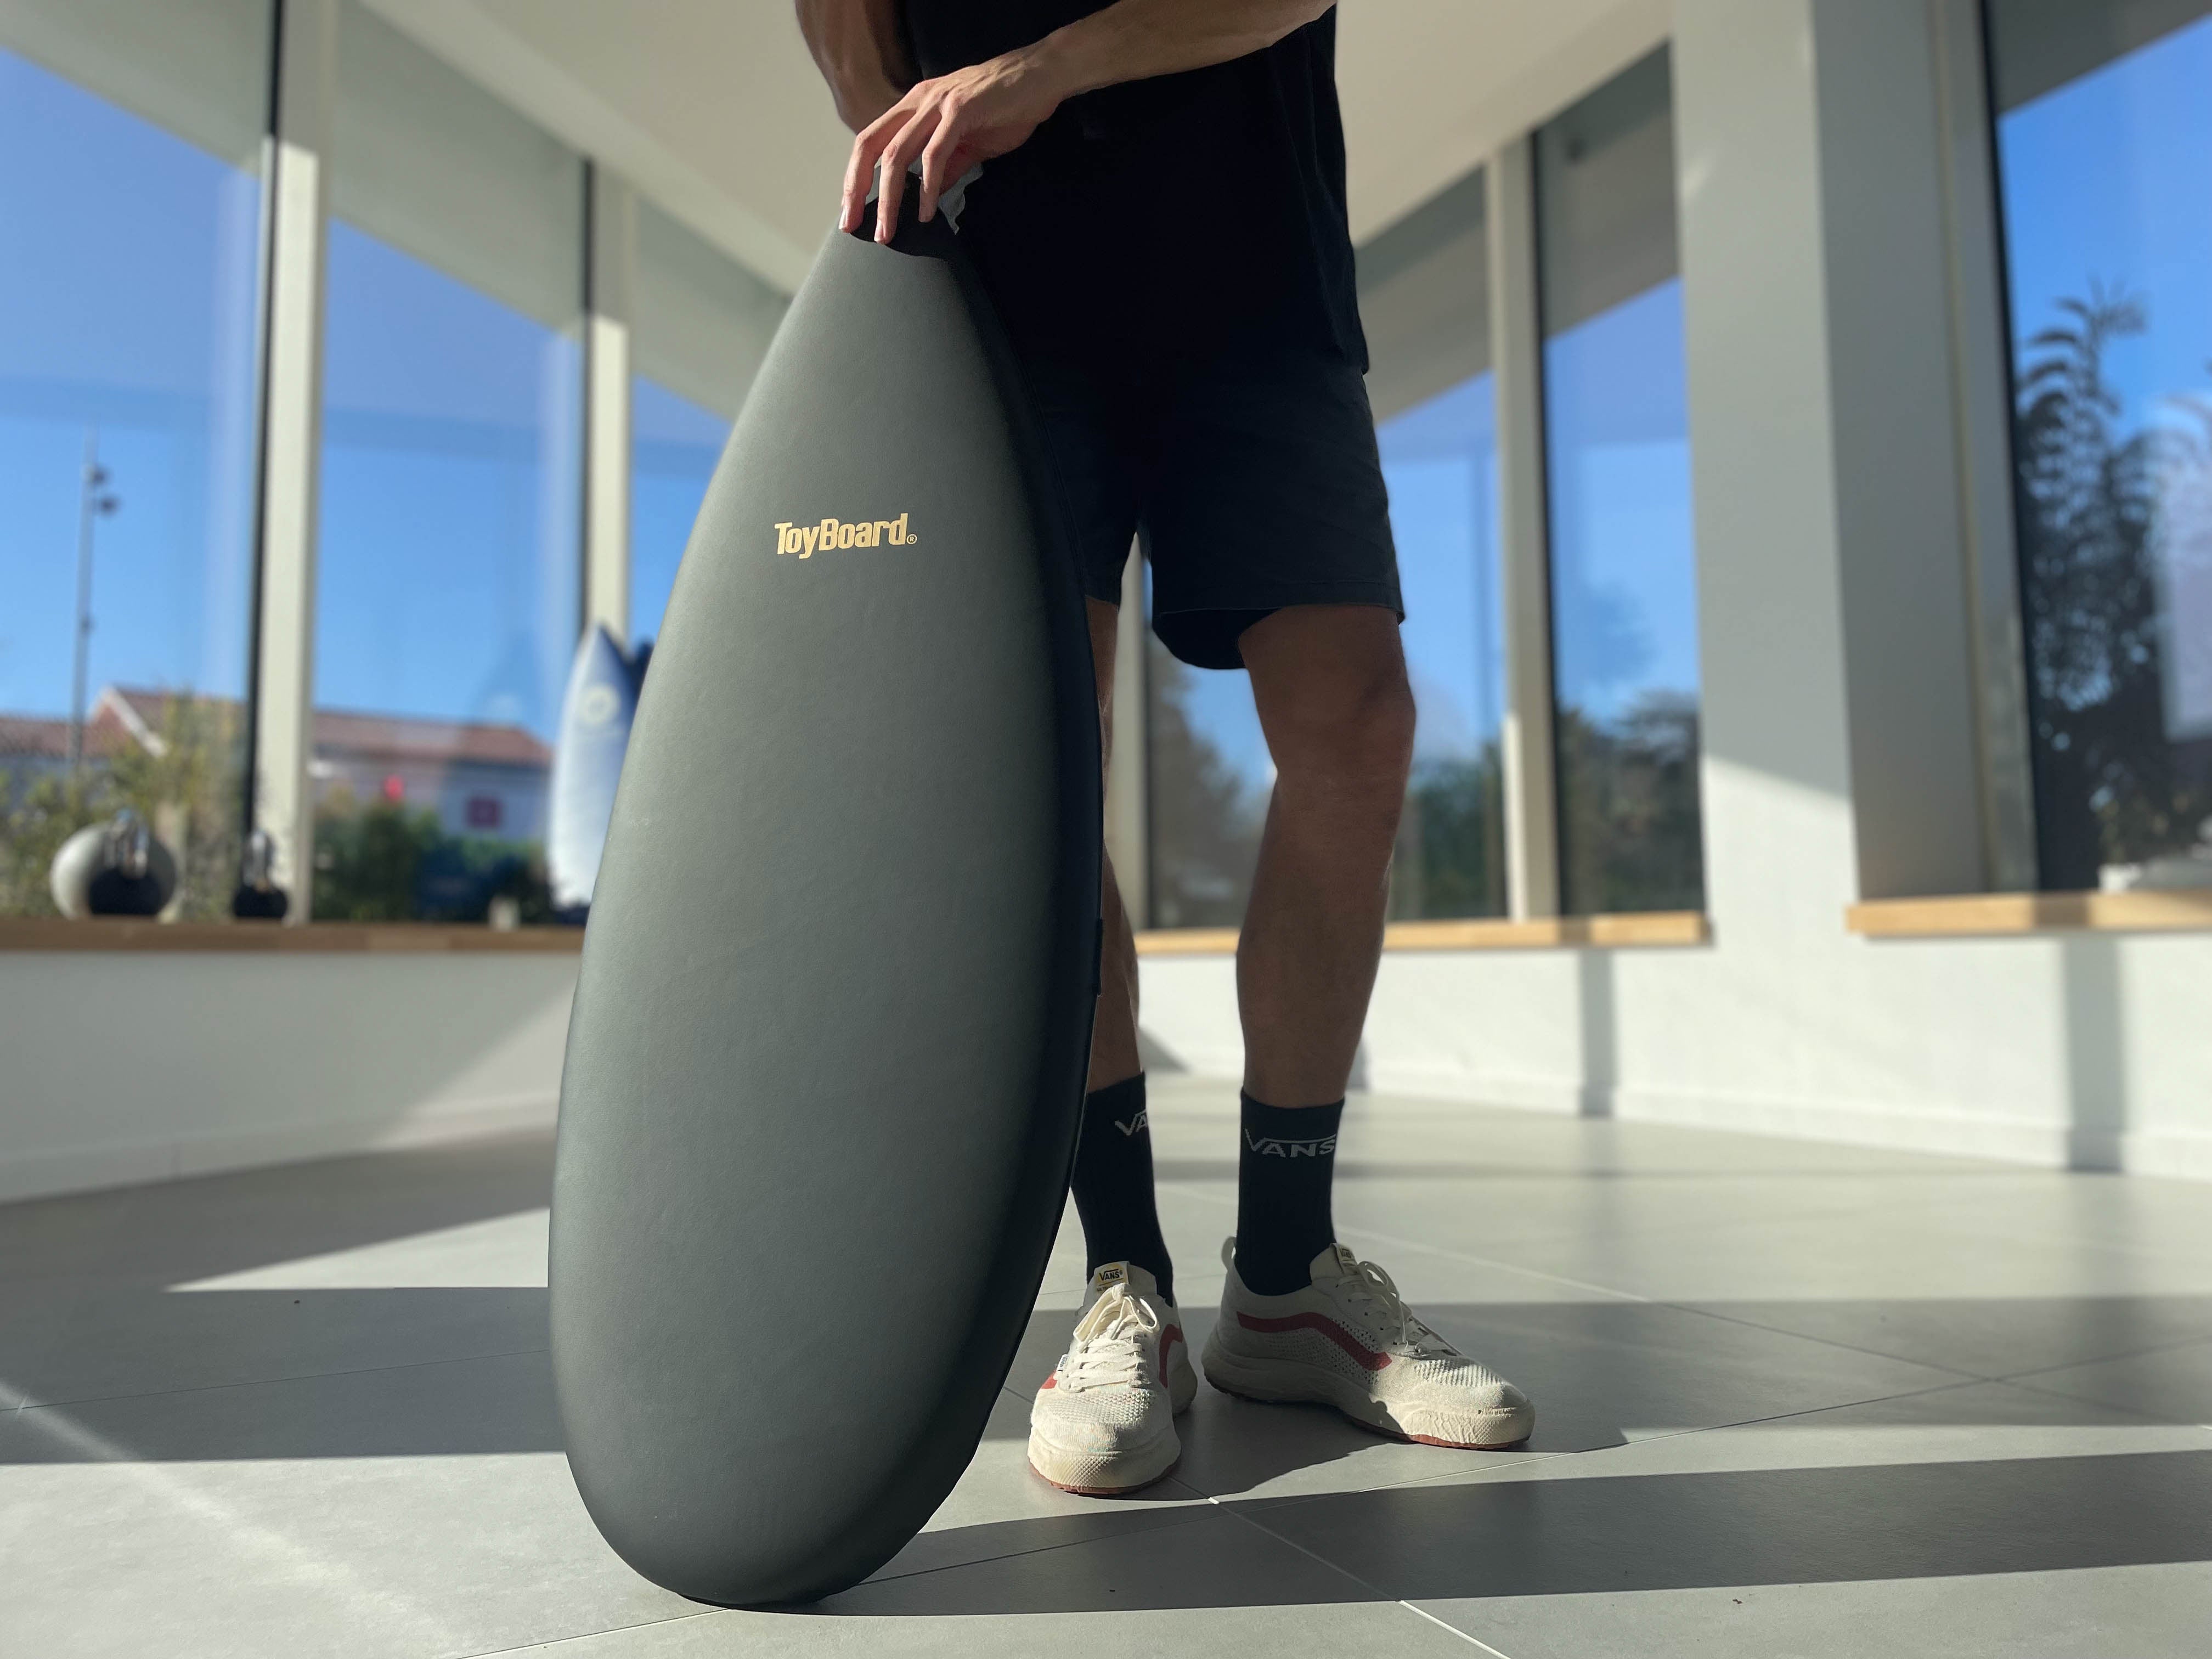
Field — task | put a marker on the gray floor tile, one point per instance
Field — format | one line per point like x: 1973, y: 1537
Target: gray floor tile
x: 1988, y: 1336
x: 2173, y: 1384
x: 1908, y: 1258
x: 1617, y: 1521
x: 412, y: 1513
x: 62, y: 1343
x: 1343, y: 1630
x: 1205, y: 1559
x: 2158, y: 1612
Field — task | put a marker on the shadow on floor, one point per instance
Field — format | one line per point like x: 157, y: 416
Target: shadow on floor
x: 172, y: 1231
x: 216, y: 1375
x: 1584, y: 1535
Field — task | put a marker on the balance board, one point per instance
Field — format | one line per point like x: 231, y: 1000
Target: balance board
x: 827, y: 1055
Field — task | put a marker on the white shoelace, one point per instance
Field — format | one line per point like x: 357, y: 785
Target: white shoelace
x: 1369, y: 1283
x: 1109, y: 1346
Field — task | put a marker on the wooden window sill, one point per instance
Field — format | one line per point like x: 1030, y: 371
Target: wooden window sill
x: 1655, y: 928
x: 56, y: 933
x: 2012, y: 914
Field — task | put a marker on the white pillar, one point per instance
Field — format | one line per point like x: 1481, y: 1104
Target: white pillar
x: 1532, y: 833
x: 611, y: 250
x: 1838, y: 634
x: 292, y: 379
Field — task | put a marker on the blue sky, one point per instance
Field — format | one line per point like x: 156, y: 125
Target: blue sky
x: 2105, y: 182
x: 139, y: 322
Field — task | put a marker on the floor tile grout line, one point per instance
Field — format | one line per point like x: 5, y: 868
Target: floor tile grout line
x: 1173, y: 1516
x: 24, y: 1403
x: 1458, y: 1255
x: 1824, y: 1342
x: 594, y: 1635
x: 1444, y: 1626
x: 2202, y: 1340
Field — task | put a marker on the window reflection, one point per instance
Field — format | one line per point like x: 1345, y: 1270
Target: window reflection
x: 1624, y: 589
x: 130, y: 208
x: 448, y: 586
x: 1425, y: 297
x: 2103, y: 143
x: 1208, y: 776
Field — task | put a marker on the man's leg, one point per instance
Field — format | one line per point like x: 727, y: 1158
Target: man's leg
x: 1329, y: 682
x: 1113, y: 1057
x: 1113, y: 1180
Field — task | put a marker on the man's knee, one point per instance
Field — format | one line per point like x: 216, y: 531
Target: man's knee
x: 1351, y: 735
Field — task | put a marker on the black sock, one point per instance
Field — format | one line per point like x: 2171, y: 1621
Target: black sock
x: 1283, y: 1172
x: 1113, y: 1183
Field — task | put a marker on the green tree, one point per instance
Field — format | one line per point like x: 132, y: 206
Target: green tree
x: 2093, y: 530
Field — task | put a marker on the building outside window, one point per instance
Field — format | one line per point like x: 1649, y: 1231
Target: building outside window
x: 130, y: 202
x: 1425, y: 300
x: 701, y: 324
x: 1624, y: 569
x: 449, y: 592
x: 2103, y: 142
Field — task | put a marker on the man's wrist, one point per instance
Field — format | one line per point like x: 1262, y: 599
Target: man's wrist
x: 1064, y: 63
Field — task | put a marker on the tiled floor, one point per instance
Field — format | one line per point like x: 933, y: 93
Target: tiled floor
x: 1793, y: 1399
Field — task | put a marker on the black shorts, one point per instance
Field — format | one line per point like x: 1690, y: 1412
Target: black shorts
x: 1250, y: 476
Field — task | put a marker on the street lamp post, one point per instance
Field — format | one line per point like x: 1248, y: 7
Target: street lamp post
x: 94, y: 501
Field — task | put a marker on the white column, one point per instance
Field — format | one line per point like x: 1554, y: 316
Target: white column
x: 1128, y: 842
x: 292, y: 371
x: 612, y: 217
x: 1837, y: 623
x: 1532, y: 836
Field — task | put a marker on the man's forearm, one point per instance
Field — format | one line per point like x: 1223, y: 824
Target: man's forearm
x: 1136, y: 39
x: 858, y: 46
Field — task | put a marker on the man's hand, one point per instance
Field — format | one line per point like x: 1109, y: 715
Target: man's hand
x: 950, y: 123
x: 975, y: 114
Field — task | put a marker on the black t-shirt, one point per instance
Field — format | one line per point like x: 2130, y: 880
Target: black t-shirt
x: 1167, y: 215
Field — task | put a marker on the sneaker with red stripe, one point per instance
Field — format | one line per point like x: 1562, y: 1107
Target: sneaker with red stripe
x: 1104, y: 1422
x: 1348, y: 1339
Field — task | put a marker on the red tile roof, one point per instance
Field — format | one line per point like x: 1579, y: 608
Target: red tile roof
x: 340, y: 734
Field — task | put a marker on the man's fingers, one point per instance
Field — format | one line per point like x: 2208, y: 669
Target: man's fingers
x: 892, y: 167
x: 860, y: 168
x: 861, y: 163
x: 937, y: 164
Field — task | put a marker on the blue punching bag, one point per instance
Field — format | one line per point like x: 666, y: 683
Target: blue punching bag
x: 827, y: 1056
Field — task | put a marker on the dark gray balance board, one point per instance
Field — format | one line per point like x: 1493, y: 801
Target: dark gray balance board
x: 827, y: 1057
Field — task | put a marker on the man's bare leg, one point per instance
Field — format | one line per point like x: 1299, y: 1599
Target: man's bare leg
x: 1114, y: 1055
x: 1329, y: 682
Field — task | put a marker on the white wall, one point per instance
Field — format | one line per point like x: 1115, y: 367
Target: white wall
x: 119, y: 1067
x: 1831, y: 577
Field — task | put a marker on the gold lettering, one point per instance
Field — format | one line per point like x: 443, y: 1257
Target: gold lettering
x: 783, y: 538
x: 899, y: 537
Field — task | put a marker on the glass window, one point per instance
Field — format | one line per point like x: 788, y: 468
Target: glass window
x: 448, y: 588
x: 702, y: 322
x: 2103, y: 137
x: 1207, y: 779
x: 130, y: 134
x: 1425, y: 300
x: 1616, y: 427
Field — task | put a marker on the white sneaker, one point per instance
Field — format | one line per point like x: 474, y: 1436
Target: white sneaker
x: 1350, y: 1342
x: 1104, y: 1422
